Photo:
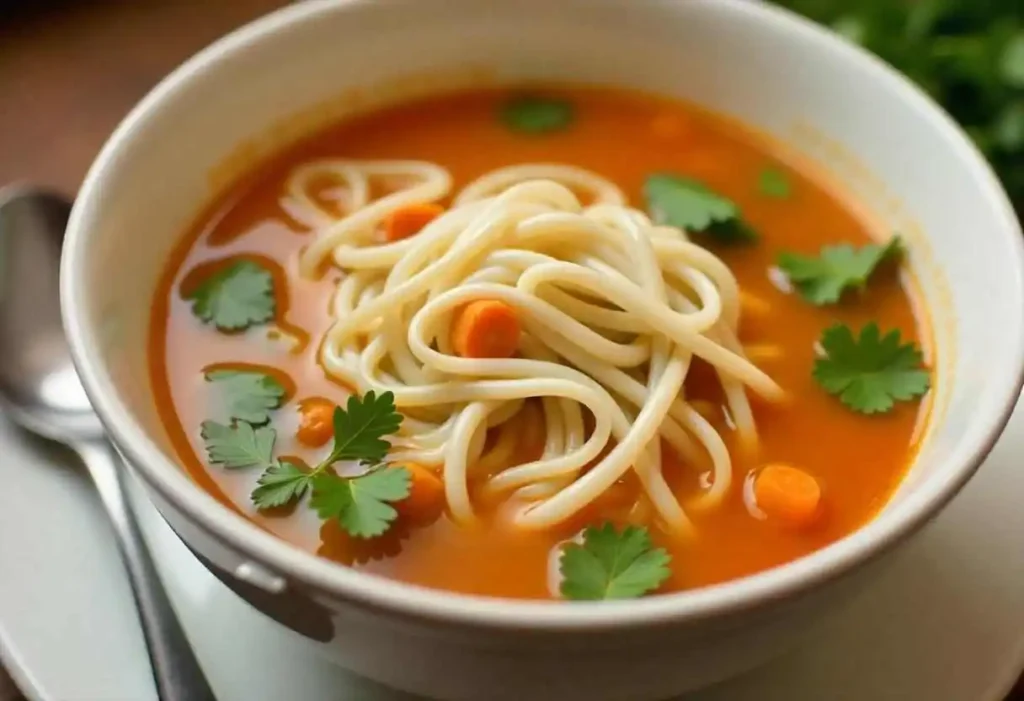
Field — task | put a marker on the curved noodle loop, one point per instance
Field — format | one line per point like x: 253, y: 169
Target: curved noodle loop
x: 612, y: 308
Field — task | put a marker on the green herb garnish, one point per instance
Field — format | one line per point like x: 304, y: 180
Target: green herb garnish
x: 612, y: 564
x: 692, y: 206
x: 871, y: 373
x: 361, y: 504
x: 537, y: 115
x: 774, y: 183
x: 248, y: 396
x: 359, y: 432
x: 239, y: 445
x: 280, y: 485
x: 234, y: 298
x: 824, y: 279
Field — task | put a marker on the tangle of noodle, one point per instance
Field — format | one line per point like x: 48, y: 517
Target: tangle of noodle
x: 613, y: 309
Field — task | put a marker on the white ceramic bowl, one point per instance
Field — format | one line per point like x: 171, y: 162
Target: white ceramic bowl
x: 868, y: 128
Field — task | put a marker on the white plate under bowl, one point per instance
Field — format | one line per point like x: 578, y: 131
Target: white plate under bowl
x: 944, y: 623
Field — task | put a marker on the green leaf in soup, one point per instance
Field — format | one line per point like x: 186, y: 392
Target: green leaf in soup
x: 695, y: 208
x: 234, y: 298
x: 774, y: 183
x: 361, y: 505
x: 239, y: 445
x: 281, y: 484
x: 537, y: 115
x: 838, y: 268
x: 360, y: 427
x: 248, y: 395
x: 612, y: 564
x: 872, y: 372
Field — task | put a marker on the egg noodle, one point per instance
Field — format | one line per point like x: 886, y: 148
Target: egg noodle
x: 613, y: 309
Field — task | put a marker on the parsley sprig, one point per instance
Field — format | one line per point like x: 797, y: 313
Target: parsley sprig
x: 870, y: 373
x: 282, y: 483
x: 363, y: 504
x: 694, y: 207
x: 824, y: 279
x: 612, y: 564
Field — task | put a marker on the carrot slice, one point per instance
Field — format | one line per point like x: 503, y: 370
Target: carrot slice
x: 486, y: 328
x: 426, y: 495
x: 789, y: 495
x: 316, y: 421
x: 410, y: 219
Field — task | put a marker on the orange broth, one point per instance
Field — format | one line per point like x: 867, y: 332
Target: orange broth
x: 624, y: 136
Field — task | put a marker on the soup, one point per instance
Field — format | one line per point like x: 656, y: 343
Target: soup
x: 568, y: 343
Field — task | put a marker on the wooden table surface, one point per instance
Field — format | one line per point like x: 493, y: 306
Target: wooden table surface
x: 70, y: 70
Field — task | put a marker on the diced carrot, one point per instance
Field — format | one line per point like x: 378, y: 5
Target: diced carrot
x: 316, y: 421
x: 486, y: 328
x: 789, y: 495
x: 410, y: 219
x: 426, y: 495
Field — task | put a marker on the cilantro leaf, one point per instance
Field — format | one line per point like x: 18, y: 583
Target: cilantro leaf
x: 824, y: 279
x: 281, y: 484
x: 248, y: 396
x: 362, y: 505
x: 869, y: 374
x: 692, y: 206
x: 360, y: 428
x: 774, y: 183
x: 239, y: 445
x: 537, y: 115
x: 235, y: 298
x: 612, y: 565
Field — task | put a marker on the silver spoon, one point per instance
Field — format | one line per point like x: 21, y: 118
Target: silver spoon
x: 39, y: 389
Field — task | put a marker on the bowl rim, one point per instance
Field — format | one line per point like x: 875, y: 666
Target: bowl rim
x: 436, y: 606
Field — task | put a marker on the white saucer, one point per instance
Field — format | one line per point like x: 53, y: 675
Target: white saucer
x: 944, y: 623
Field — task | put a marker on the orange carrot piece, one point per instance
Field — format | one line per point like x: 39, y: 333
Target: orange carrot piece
x: 410, y: 219
x: 789, y: 495
x: 426, y: 495
x: 486, y: 328
x: 316, y: 422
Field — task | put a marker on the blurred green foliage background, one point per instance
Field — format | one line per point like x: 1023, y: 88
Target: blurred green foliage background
x: 967, y: 54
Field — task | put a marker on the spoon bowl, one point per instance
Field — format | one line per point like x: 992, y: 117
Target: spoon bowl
x: 38, y: 383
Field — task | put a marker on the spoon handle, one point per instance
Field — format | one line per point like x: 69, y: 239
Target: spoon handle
x: 176, y: 671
